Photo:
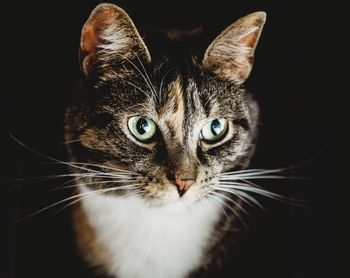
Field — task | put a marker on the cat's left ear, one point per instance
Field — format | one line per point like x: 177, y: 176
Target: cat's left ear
x: 108, y: 38
x: 231, y: 54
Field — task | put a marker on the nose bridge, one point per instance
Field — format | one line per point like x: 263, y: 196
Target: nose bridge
x: 182, y: 167
x: 185, y: 173
x: 185, y: 165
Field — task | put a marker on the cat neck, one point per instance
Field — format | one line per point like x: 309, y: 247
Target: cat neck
x: 130, y: 238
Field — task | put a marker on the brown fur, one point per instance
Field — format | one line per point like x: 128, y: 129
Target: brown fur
x: 179, y: 95
x: 173, y: 112
x: 87, y: 243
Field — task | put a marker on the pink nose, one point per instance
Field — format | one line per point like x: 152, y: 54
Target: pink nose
x: 183, y: 184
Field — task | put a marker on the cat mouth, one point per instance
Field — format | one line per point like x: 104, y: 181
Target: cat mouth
x: 172, y: 197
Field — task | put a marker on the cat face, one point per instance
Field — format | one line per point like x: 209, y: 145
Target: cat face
x: 168, y: 128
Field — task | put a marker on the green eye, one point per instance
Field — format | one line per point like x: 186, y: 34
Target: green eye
x: 214, y: 130
x: 142, y: 128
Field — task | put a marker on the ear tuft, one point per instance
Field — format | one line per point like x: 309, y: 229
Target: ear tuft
x: 109, y: 36
x: 231, y: 54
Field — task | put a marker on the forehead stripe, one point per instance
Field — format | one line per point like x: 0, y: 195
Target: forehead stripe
x: 174, y: 110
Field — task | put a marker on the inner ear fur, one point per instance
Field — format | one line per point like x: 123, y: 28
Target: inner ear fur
x: 231, y: 54
x: 108, y: 37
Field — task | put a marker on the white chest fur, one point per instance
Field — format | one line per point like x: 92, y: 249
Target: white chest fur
x: 144, y: 241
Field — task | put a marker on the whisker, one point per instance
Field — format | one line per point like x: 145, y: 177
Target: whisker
x: 257, y: 177
x: 51, y: 158
x: 220, y: 206
x: 243, y: 196
x: 56, y: 160
x: 43, y: 179
x: 230, y: 208
x: 268, y: 171
x: 103, y: 167
x: 57, y: 203
x: 137, y: 87
x: 265, y: 193
x: 70, y: 142
x: 117, y: 172
x: 252, y: 171
x: 161, y: 85
x: 91, y: 183
x: 252, y: 183
x: 142, y: 75
x: 84, y: 197
x: 63, y: 185
x: 149, y: 195
x: 72, y: 198
x: 51, y: 177
x: 145, y: 72
x: 78, y: 175
x: 232, y: 201
x: 252, y: 189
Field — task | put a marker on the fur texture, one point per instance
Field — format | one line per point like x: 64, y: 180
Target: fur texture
x: 132, y: 221
x: 144, y: 241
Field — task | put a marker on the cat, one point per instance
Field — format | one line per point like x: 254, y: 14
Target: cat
x: 156, y: 137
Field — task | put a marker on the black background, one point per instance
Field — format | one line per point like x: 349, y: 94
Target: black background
x: 299, y: 79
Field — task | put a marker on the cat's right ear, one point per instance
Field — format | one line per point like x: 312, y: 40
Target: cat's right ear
x: 109, y: 37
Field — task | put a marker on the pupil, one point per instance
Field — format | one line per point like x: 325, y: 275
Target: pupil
x: 142, y: 126
x: 215, y: 127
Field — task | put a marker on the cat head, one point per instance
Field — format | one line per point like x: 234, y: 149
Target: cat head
x: 168, y: 128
